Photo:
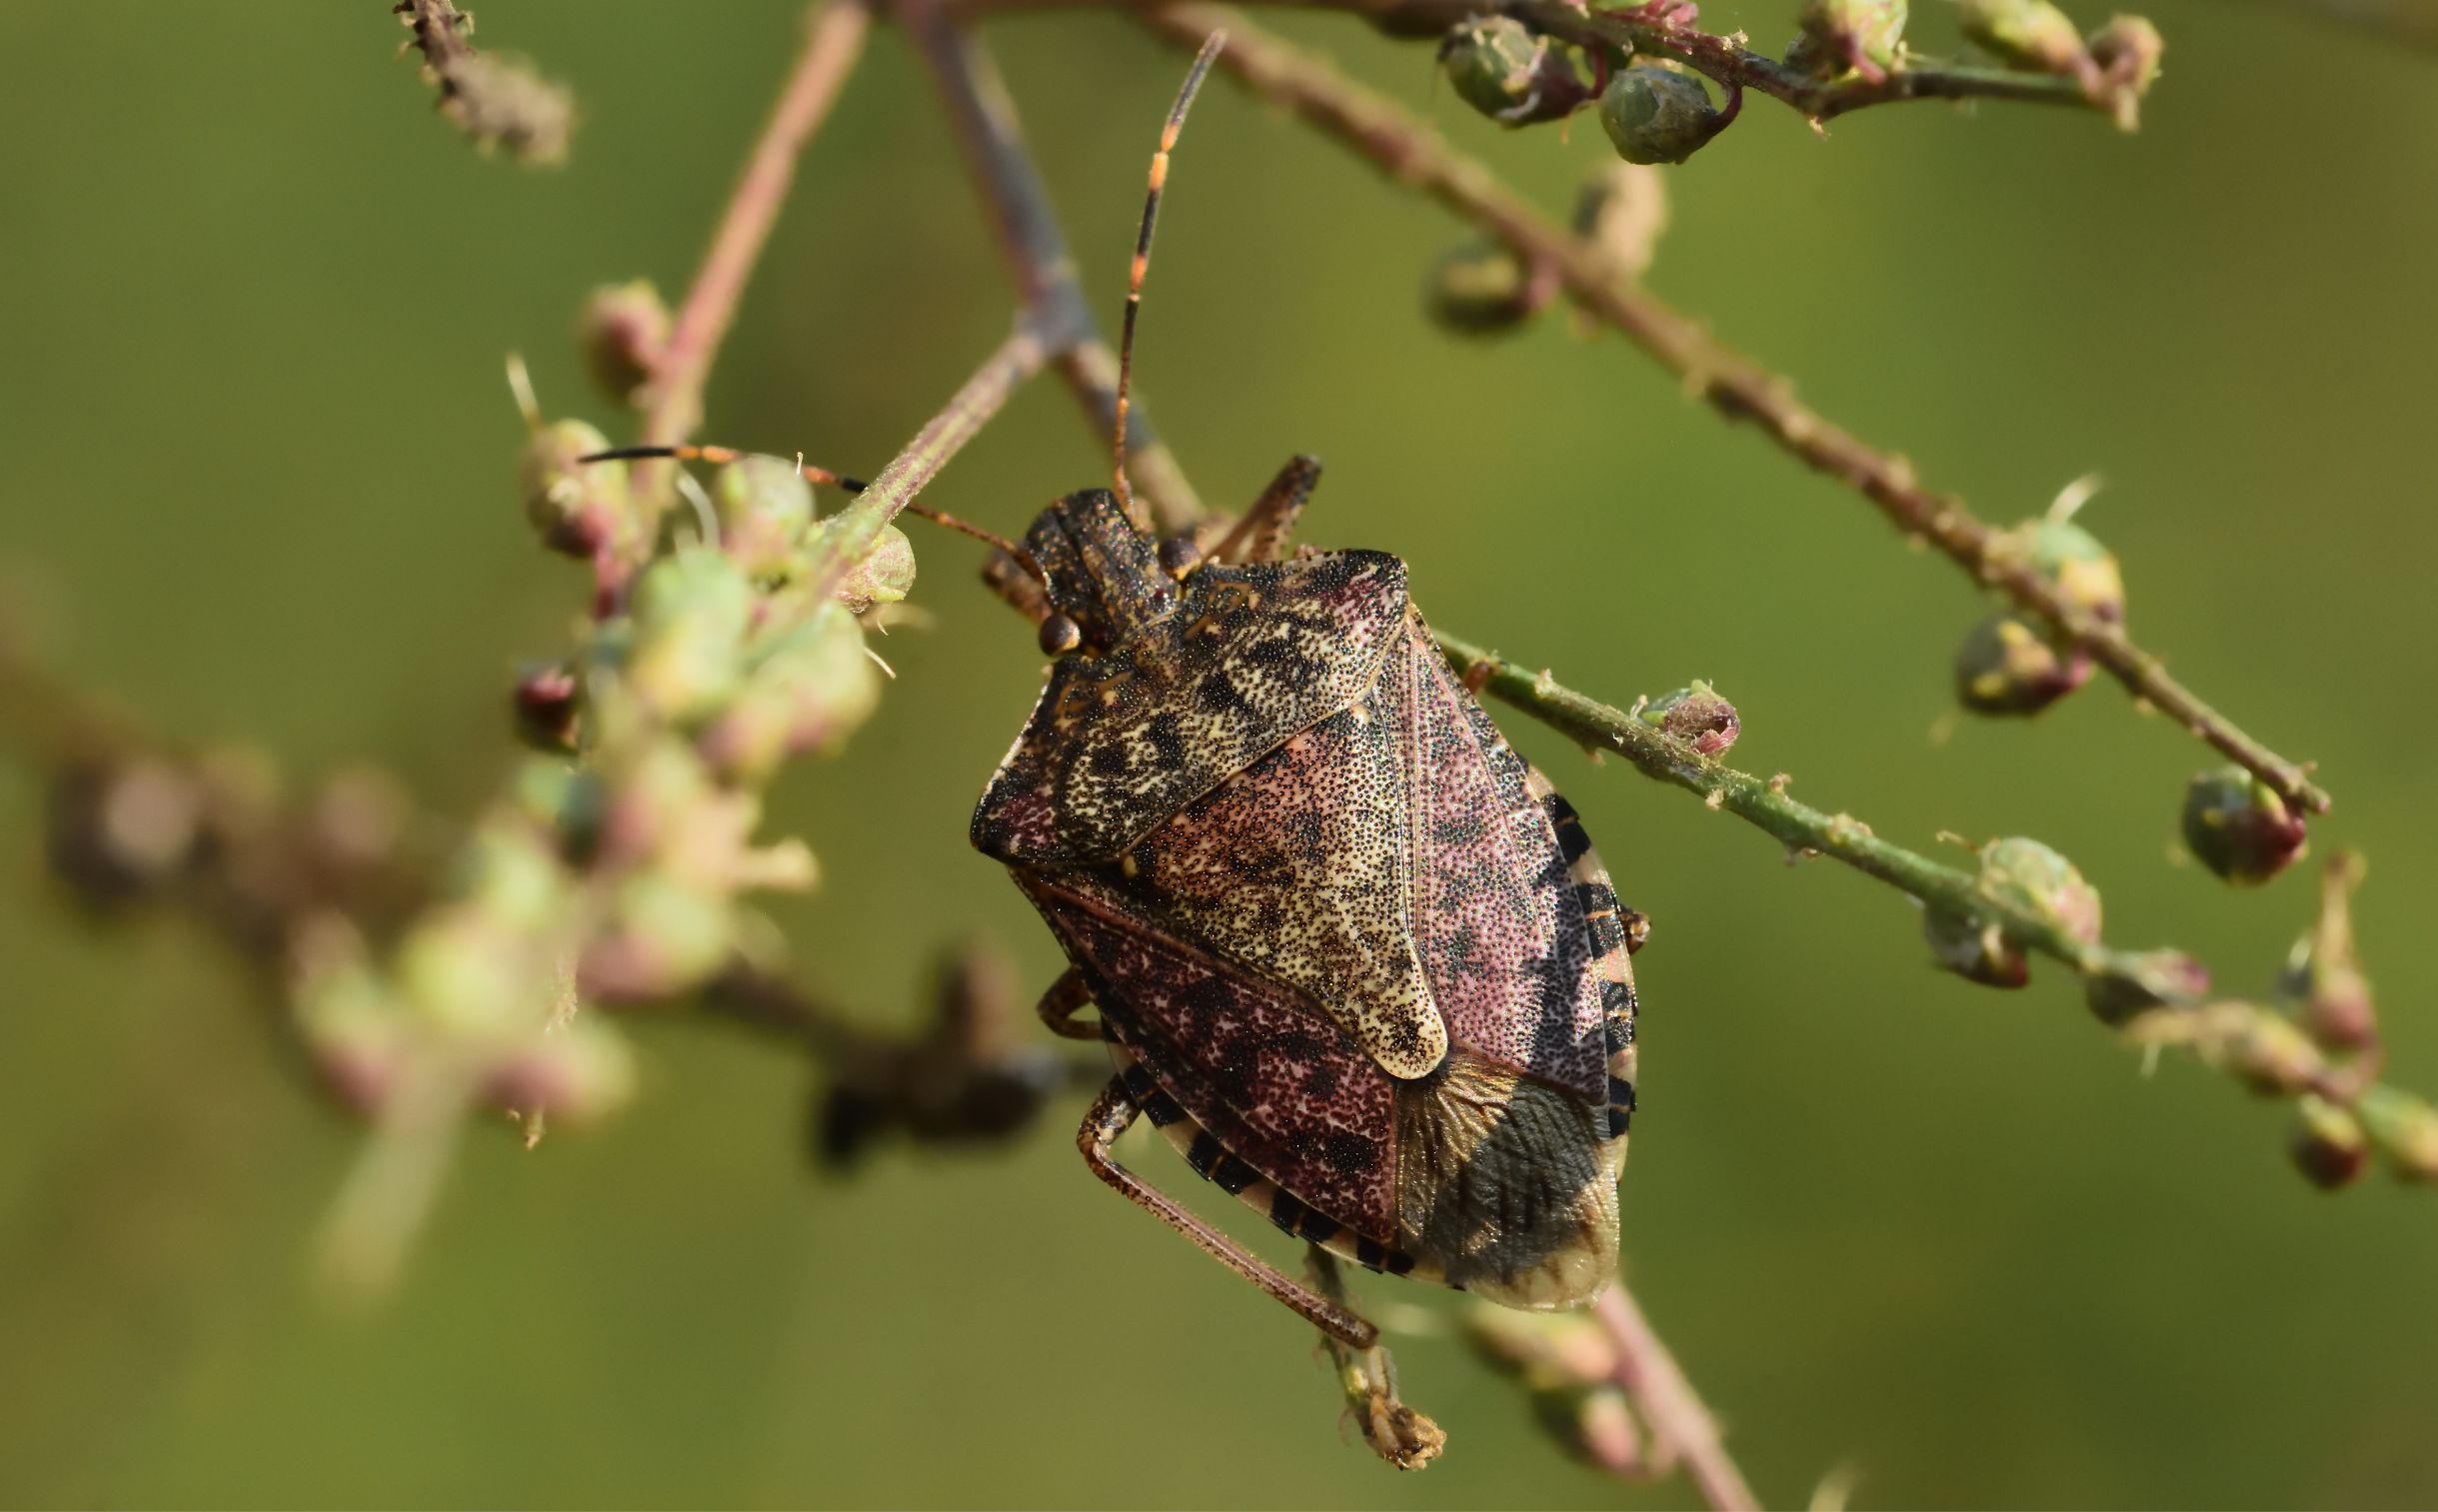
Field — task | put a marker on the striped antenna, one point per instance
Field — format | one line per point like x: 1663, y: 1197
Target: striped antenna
x: 1143, y: 262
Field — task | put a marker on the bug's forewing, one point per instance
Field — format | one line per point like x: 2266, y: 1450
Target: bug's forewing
x: 1119, y: 743
x: 1250, y: 1060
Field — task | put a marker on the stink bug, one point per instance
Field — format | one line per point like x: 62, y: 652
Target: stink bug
x: 1350, y: 951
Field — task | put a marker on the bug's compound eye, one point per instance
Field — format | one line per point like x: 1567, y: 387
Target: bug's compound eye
x: 1179, y: 556
x: 1060, y: 635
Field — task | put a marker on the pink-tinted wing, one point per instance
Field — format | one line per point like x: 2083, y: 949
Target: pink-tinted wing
x: 1250, y: 1060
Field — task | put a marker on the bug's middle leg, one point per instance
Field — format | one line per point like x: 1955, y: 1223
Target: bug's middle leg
x: 1110, y: 1115
x: 1058, y: 1005
x: 1262, y: 535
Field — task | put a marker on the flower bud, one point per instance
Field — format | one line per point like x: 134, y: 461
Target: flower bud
x: 2330, y: 1147
x: 2404, y: 1128
x: 1975, y: 952
x: 545, y: 706
x: 2261, y: 1048
x: 580, y: 1070
x: 2323, y: 970
x: 765, y: 507
x: 468, y: 974
x: 665, y: 934
x: 2084, y: 571
x: 2153, y: 979
x: 118, y: 833
x: 1540, y: 1349
x: 2128, y: 48
x: 511, y: 874
x: 1696, y: 716
x: 624, y: 332
x: 2034, y: 878
x: 807, y: 691
x: 579, y: 509
x: 884, y: 574
x: 1862, y: 35
x: 2239, y: 827
x: 1510, y: 73
x: 1656, y: 115
x: 691, y: 610
x: 2006, y: 666
x: 2030, y: 34
x: 1604, y: 1434
x: 1478, y: 288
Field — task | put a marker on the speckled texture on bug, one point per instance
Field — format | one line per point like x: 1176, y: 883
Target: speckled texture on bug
x: 1366, y: 956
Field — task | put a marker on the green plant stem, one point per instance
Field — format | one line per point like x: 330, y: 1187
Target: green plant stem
x: 984, y: 116
x: 1410, y: 152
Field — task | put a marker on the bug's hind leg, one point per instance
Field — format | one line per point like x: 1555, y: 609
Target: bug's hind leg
x: 1110, y: 1115
x: 1262, y: 535
x: 1057, y: 1007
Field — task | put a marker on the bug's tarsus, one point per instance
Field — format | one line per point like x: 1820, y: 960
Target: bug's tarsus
x: 1110, y: 1115
x: 1143, y: 261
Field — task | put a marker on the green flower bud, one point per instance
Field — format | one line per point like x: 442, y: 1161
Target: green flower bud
x: 2153, y: 979
x: 2323, y: 973
x: 581, y: 1070
x: 2128, y: 48
x: 691, y: 610
x: 2073, y: 561
x: 622, y: 332
x: 1975, y: 952
x: 2034, y: 878
x: 580, y: 510
x: 355, y: 1032
x: 765, y: 507
x: 884, y: 576
x: 664, y: 936
x: 511, y: 874
x: 1696, y: 716
x: 2239, y: 827
x: 1479, y: 288
x: 563, y: 801
x: 2330, y: 1147
x: 468, y: 974
x: 809, y: 690
x: 2261, y: 1048
x: 2404, y: 1128
x: 2006, y: 666
x: 1510, y: 73
x: 1865, y: 36
x: 1656, y: 115
x: 2030, y: 34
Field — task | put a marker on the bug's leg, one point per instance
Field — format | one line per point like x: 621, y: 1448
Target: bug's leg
x: 1057, y: 1007
x: 1262, y: 535
x: 1110, y: 1115
x: 1018, y: 586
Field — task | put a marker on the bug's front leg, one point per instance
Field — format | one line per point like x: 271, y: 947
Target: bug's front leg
x: 1058, y: 1005
x: 1262, y: 535
x: 1110, y: 1115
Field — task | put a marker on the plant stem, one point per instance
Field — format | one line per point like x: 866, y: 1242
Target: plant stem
x: 1650, y: 1376
x: 833, y: 42
x: 1413, y: 154
x: 984, y: 116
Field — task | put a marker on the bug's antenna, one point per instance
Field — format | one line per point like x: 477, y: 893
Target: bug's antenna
x: 1143, y: 261
x: 721, y: 456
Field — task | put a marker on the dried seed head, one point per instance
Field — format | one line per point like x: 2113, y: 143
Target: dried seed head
x: 578, y: 509
x: 1510, y: 73
x: 2007, y: 665
x: 2030, y: 34
x: 623, y: 333
x: 1697, y: 716
x: 1478, y: 288
x: 2330, y: 1146
x: 1656, y: 115
x: 1849, y: 34
x: 2239, y: 827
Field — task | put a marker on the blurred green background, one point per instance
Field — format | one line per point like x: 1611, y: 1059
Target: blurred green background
x: 253, y: 303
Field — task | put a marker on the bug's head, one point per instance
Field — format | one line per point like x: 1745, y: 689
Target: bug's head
x: 1106, y: 581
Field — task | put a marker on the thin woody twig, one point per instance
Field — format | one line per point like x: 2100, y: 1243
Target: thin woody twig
x: 1410, y: 151
x: 1669, y: 1407
x: 983, y: 118
x: 833, y: 42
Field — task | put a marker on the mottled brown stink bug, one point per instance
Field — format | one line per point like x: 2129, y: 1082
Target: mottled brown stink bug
x: 1350, y: 951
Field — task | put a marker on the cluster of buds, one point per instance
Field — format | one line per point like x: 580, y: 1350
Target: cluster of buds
x: 2117, y: 63
x: 2011, y: 664
x: 2024, y: 876
x: 1569, y: 1367
x: 1510, y: 73
x: 2238, y: 826
x: 1864, y: 37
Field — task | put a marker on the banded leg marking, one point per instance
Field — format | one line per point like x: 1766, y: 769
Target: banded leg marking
x: 1113, y: 1113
